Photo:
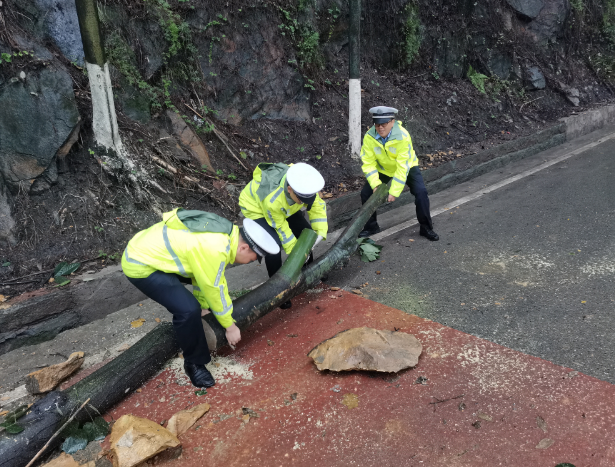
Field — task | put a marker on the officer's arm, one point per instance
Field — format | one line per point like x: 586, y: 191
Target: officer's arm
x: 368, y: 158
x: 211, y: 289
x: 318, y: 217
x: 277, y: 220
x: 403, y: 167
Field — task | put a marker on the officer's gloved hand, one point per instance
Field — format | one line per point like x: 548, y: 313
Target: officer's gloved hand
x: 318, y: 239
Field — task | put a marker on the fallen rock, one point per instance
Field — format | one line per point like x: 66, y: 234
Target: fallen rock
x: 367, y: 349
x: 184, y: 420
x: 134, y: 440
x: 47, y: 379
x: 536, y: 78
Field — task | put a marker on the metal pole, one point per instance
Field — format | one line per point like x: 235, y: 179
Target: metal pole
x: 354, y: 81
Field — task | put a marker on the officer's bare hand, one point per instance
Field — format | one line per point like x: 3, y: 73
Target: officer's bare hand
x: 391, y: 198
x: 233, y: 335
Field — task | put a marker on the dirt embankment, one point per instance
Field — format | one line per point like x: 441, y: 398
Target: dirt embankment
x: 272, y: 79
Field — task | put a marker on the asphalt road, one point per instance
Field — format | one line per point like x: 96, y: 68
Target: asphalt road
x: 530, y: 266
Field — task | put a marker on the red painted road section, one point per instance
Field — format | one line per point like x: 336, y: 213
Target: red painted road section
x: 501, y: 403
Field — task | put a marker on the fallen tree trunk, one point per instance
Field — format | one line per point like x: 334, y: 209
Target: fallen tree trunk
x: 105, y: 387
x: 291, y: 280
x: 108, y: 385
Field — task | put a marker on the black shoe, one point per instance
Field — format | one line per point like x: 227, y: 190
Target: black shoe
x: 286, y: 305
x: 199, y: 375
x: 428, y: 232
x: 370, y: 231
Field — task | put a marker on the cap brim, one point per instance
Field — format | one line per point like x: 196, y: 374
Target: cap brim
x: 381, y: 120
x: 307, y: 200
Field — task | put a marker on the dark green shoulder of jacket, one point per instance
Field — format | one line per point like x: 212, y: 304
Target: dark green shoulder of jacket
x: 271, y: 176
x: 202, y: 221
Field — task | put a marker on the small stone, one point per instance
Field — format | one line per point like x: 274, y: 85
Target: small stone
x: 357, y: 292
x: 47, y: 379
x: 545, y: 444
x: 335, y: 288
x: 134, y: 440
x: 182, y: 421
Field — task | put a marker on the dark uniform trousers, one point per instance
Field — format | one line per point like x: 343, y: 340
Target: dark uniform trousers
x: 297, y: 223
x: 168, y: 290
x: 417, y: 188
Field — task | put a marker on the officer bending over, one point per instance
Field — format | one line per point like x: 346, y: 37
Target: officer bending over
x: 387, y: 154
x: 190, y: 246
x: 274, y: 199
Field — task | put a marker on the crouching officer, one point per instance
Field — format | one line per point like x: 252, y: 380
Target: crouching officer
x: 190, y: 246
x: 387, y: 154
x: 274, y: 199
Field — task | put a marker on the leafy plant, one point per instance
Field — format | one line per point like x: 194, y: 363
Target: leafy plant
x: 477, y: 79
x: 232, y: 176
x: 412, y: 34
x: 77, y: 438
x: 10, y: 421
x: 62, y: 270
x: 219, y: 172
x: 368, y: 249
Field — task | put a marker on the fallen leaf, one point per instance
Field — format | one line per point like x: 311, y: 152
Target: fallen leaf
x: 157, y: 320
x: 137, y: 323
x: 350, y: 400
x: 124, y: 347
x: 541, y: 423
x: 545, y: 443
x: 246, y: 418
x: 270, y: 343
x: 357, y: 291
x: 2, y: 298
x: 378, y: 272
x: 335, y: 288
x: 484, y: 416
x: 327, y: 195
x: 2, y: 413
x: 139, y: 390
x: 583, y: 302
x: 51, y: 280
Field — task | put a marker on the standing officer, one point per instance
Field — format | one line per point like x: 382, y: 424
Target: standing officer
x: 387, y: 154
x: 274, y: 199
x: 190, y: 246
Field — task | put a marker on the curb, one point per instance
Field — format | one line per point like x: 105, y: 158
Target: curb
x: 41, y: 315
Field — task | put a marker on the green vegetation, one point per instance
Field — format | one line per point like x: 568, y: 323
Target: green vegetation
x: 412, y: 34
x: 8, y: 57
x: 477, y: 79
x: 608, y: 21
x: 305, y: 39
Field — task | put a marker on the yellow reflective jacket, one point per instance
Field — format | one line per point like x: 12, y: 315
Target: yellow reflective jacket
x: 266, y: 196
x: 173, y: 246
x: 394, y: 158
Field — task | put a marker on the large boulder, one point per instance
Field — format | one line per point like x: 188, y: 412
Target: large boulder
x: 528, y: 8
x: 55, y: 21
x: 549, y: 24
x: 247, y: 68
x: 37, y: 115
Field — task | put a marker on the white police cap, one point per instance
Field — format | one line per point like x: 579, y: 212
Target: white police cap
x: 305, y: 180
x: 258, y: 239
x: 382, y: 114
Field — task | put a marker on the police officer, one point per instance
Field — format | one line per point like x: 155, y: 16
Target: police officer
x: 274, y: 199
x: 190, y: 246
x: 387, y: 154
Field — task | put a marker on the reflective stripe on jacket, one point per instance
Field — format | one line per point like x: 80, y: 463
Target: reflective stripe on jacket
x: 394, y: 158
x: 170, y: 247
x: 266, y: 196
